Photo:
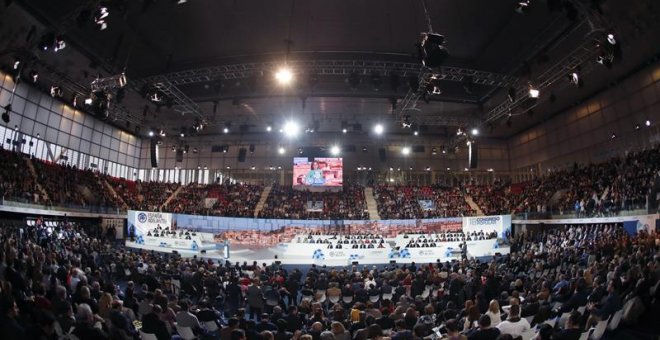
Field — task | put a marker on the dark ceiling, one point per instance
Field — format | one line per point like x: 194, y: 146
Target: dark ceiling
x: 152, y: 40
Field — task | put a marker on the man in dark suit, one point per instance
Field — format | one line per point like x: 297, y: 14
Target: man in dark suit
x: 611, y: 305
x: 485, y: 332
x: 225, y: 332
x: 152, y: 324
x: 572, y: 330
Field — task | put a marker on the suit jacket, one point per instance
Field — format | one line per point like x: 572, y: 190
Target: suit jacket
x: 255, y: 297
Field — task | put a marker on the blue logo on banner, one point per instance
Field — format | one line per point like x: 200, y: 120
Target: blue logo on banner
x: 139, y: 239
x: 448, y: 251
x: 194, y: 245
x: 496, y: 245
x: 163, y: 244
x: 142, y: 217
x: 393, y: 253
x: 404, y: 253
x: 318, y: 255
x: 354, y: 256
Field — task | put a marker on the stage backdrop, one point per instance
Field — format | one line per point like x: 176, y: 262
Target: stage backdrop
x: 261, y: 233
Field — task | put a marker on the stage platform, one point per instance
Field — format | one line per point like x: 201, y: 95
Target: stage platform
x: 336, y: 257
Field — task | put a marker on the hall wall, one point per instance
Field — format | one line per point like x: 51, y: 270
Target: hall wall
x: 584, y: 133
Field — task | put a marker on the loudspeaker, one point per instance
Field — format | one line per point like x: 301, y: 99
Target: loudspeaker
x: 382, y: 154
x: 392, y: 261
x: 242, y: 152
x: 179, y: 155
x: 473, y: 155
x: 154, y: 153
x: 355, y: 263
x: 203, y: 251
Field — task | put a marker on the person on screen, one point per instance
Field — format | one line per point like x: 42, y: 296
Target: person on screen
x: 315, y: 175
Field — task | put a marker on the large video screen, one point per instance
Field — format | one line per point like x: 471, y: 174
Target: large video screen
x: 317, y: 172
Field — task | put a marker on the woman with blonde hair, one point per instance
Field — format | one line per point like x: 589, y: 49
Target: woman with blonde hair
x: 105, y: 305
x: 494, y: 312
x: 340, y: 331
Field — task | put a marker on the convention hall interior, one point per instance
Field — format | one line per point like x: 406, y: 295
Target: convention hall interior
x: 329, y: 170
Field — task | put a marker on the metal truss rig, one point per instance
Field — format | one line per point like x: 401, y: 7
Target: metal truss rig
x: 328, y: 68
x: 181, y: 103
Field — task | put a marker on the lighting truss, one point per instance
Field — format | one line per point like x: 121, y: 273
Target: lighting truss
x: 109, y: 83
x: 181, y: 103
x: 329, y: 68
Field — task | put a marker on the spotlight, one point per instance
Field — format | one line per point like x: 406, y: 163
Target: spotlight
x: 611, y: 39
x: 475, y: 132
x: 574, y: 78
x: 194, y: 150
x: 637, y: 127
x: 284, y: 76
x: 613, y: 135
x: 60, y: 44
x: 335, y: 150
x: 344, y: 130
x: 405, y: 122
x: 89, y: 101
x: 647, y: 123
x: 379, y: 129
x: 269, y: 128
x: 161, y: 133
x: 434, y: 151
x: 55, y: 91
x: 156, y: 97
x: 281, y: 150
x: 225, y: 130
x: 405, y: 150
x: 151, y: 133
x: 100, y: 17
x: 415, y: 133
x: 533, y: 92
x: 291, y: 129
x: 182, y: 134
x: 34, y: 76
x: 522, y: 6
x: 17, y: 63
x: 5, y: 115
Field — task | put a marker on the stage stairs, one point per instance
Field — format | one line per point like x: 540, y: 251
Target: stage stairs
x: 372, y: 206
x: 33, y: 172
x: 114, y: 194
x: 172, y: 196
x: 474, y: 205
x: 262, y: 200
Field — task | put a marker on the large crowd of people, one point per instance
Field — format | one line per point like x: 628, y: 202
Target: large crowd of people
x: 288, y: 203
x: 558, y: 282
x: 602, y: 189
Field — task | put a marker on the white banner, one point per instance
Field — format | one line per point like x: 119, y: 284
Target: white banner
x: 501, y: 224
x: 144, y: 221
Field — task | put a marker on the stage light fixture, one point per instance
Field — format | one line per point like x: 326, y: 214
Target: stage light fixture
x: 647, y: 123
x: 151, y: 133
x: 55, y: 91
x: 284, y: 76
x: 432, y: 51
x: 522, y: 6
x: 59, y: 44
x: 225, y: 130
x: 434, y: 151
x: 281, y: 150
x: 269, y: 128
x: 475, y: 132
x: 405, y: 150
x: 89, y: 101
x: 611, y: 39
x: 5, y: 115
x: 291, y: 129
x: 34, y: 76
x: 379, y: 129
x: 415, y: 133
x: 344, y: 130
x: 335, y: 150
x: 533, y: 92
x: 100, y: 17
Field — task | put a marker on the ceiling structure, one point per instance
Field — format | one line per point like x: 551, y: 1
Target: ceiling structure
x: 354, y: 63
